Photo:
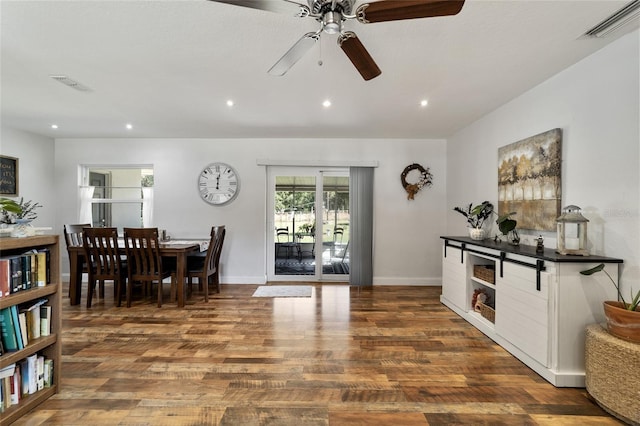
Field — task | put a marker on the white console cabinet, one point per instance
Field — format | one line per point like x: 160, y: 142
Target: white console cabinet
x: 542, y: 303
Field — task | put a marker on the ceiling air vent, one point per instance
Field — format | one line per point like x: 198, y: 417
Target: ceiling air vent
x: 71, y: 83
x: 627, y: 14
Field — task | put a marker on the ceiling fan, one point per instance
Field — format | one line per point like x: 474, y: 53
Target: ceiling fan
x: 331, y: 14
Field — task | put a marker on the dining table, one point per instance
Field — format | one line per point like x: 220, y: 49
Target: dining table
x: 175, y: 248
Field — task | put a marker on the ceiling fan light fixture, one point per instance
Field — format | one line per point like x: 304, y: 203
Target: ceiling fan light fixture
x: 332, y: 22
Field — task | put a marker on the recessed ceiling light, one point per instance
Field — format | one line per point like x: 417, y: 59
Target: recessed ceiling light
x: 129, y: 126
x: 326, y: 103
x: 54, y: 126
x: 229, y: 103
x: 424, y: 103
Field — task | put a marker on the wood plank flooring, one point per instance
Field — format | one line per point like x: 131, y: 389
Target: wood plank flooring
x: 381, y: 356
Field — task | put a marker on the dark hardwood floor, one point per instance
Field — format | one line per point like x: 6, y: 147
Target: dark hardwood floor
x: 381, y: 356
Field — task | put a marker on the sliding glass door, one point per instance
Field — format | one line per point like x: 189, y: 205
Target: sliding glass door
x: 308, y: 230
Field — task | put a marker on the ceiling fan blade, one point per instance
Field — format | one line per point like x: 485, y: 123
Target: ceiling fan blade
x: 279, y: 6
x: 294, y: 54
x: 358, y: 55
x: 393, y: 10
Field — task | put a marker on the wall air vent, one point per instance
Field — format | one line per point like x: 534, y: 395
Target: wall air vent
x: 626, y: 15
x: 71, y: 83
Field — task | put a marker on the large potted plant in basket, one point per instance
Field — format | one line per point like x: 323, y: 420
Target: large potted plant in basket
x: 623, y: 319
x: 476, y: 217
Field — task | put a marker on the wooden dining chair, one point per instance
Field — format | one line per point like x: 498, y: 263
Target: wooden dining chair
x: 104, y: 261
x: 207, y: 268
x: 144, y: 260
x: 73, y: 237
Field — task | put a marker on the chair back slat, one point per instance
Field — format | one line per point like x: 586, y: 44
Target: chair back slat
x: 145, y: 261
x: 143, y: 253
x: 102, y: 250
x: 215, y: 248
x: 73, y: 233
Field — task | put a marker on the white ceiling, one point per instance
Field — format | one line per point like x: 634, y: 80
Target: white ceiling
x: 168, y: 67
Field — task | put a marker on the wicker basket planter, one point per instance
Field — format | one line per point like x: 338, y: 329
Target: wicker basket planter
x: 612, y: 373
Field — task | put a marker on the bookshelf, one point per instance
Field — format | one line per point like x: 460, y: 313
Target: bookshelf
x: 49, y: 346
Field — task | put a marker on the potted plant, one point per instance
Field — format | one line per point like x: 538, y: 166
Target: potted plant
x: 507, y: 227
x: 623, y: 319
x: 27, y: 211
x: 476, y: 217
x: 8, y: 208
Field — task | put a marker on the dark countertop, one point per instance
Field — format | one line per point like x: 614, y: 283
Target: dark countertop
x: 530, y: 251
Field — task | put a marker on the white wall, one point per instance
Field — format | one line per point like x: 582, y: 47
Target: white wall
x: 35, y: 168
x: 596, y: 103
x: 407, y: 248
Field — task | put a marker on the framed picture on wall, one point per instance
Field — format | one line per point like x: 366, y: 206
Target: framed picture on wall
x: 8, y: 176
x: 529, y: 180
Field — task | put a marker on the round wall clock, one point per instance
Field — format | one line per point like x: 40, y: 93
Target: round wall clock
x: 218, y: 184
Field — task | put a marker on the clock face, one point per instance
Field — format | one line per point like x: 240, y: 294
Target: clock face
x: 218, y: 184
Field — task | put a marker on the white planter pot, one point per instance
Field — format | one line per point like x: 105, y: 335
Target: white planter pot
x: 477, y: 233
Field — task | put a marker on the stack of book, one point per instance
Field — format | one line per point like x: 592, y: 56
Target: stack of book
x: 22, y: 324
x: 26, y: 377
x: 24, y: 271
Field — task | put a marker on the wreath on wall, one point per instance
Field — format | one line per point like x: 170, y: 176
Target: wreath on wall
x: 426, y: 179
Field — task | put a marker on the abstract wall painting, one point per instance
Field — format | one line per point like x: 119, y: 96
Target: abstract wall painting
x: 529, y: 180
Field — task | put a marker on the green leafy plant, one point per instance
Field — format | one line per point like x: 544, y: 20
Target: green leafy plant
x: 8, y: 210
x: 7, y: 204
x: 476, y: 215
x: 12, y: 210
x: 28, y: 209
x: 506, y: 224
x: 635, y: 300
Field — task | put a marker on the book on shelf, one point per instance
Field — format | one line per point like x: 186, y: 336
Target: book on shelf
x: 7, y: 371
x: 40, y: 372
x: 15, y: 387
x: 6, y: 392
x: 48, y: 373
x: 15, y: 263
x: 29, y: 371
x: 5, y: 277
x: 8, y: 330
x: 16, y: 324
x: 43, y: 270
x: 22, y: 318
x: 26, y: 270
x: 45, y: 320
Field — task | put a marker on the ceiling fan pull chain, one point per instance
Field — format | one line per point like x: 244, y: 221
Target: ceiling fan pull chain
x: 320, y: 53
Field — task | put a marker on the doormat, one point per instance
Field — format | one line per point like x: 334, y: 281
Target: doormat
x: 284, y: 291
